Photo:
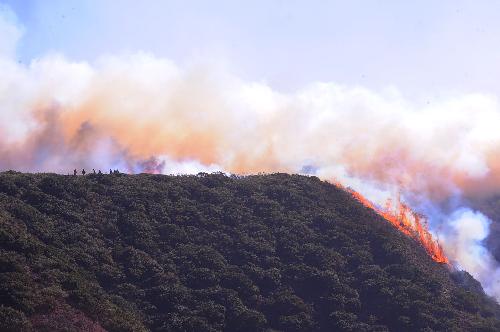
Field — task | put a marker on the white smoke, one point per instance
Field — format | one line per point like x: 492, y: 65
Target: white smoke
x: 463, y: 240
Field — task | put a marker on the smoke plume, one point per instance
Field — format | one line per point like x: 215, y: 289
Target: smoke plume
x: 141, y: 113
x: 467, y: 229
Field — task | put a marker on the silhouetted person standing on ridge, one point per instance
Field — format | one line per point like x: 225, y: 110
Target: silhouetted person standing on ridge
x: 93, y: 170
x: 74, y: 172
x: 110, y: 172
x: 83, y: 171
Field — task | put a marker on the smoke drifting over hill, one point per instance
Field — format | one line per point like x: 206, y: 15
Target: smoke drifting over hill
x: 124, y: 111
x: 141, y: 113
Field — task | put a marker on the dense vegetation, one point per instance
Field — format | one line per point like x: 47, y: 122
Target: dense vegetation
x: 211, y: 252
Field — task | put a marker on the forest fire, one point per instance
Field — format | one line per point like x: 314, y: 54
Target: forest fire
x: 408, y: 222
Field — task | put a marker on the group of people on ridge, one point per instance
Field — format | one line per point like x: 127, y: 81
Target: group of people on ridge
x: 75, y: 172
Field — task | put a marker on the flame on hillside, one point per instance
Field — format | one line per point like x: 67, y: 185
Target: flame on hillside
x: 409, y: 222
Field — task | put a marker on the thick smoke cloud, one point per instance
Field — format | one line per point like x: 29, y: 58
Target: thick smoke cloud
x: 139, y: 107
x: 141, y: 113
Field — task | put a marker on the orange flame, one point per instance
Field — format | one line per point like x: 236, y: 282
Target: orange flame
x: 407, y: 221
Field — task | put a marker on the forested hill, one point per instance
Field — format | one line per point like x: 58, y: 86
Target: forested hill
x: 216, y: 253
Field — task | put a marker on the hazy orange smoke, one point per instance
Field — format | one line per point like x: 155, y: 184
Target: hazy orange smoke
x: 141, y: 108
x: 140, y: 113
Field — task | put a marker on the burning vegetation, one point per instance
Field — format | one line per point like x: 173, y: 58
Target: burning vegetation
x: 408, y: 222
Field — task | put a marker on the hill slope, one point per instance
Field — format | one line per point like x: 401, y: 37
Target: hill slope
x: 490, y: 206
x: 211, y: 252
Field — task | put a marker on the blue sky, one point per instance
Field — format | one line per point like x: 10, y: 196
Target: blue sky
x: 423, y: 48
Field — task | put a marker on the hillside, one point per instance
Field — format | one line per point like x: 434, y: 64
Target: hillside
x: 211, y: 252
x: 490, y: 206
